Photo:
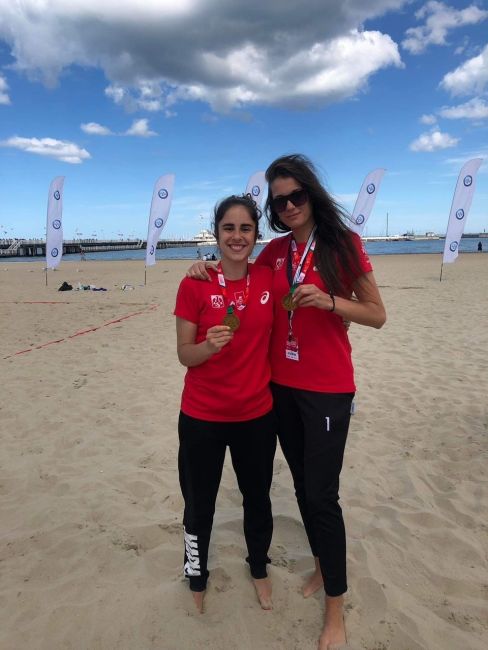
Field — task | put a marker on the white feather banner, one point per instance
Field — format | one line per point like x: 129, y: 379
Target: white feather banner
x: 256, y: 186
x: 365, y: 200
x: 54, y: 223
x: 160, y: 206
x: 461, y: 202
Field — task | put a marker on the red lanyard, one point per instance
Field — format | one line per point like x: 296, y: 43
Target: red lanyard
x: 298, y: 266
x: 232, y: 303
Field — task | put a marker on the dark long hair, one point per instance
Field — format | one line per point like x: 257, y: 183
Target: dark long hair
x: 336, y: 256
x: 229, y: 202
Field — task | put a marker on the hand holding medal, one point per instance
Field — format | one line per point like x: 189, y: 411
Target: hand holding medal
x: 299, y: 268
x: 218, y: 336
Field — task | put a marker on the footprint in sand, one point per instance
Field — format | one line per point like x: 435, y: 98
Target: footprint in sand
x: 221, y: 581
x: 78, y: 383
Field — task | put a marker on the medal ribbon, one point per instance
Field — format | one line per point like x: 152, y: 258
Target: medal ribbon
x: 296, y: 270
x: 231, y: 303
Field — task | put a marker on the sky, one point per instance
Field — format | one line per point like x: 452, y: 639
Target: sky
x: 111, y: 94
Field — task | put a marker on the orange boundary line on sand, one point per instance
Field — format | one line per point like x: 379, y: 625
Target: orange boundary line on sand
x: 91, y: 329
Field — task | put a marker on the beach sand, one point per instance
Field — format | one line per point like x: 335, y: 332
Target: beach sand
x: 91, y: 539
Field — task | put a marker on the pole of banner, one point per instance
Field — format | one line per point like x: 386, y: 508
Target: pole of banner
x: 442, y: 266
x: 46, y: 276
x: 145, y: 271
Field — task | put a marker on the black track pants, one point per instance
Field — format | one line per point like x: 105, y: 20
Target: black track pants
x: 252, y: 446
x: 312, y: 429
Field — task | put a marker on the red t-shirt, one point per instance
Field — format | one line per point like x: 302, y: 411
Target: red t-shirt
x: 325, y: 363
x: 233, y: 385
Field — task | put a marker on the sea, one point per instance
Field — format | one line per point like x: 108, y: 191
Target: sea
x: 403, y: 247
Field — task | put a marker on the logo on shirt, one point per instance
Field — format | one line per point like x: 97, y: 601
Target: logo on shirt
x: 217, y: 302
x: 239, y: 299
x: 279, y: 263
x: 265, y: 297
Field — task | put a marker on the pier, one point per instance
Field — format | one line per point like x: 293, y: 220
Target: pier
x: 37, y: 247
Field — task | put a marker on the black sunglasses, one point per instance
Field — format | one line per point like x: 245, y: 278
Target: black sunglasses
x: 297, y: 197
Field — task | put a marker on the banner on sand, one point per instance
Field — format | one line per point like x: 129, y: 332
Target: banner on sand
x: 54, y: 223
x: 160, y: 205
x: 255, y: 187
x: 365, y: 201
x: 461, y: 202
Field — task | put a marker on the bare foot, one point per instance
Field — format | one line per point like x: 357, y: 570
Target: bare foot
x: 314, y: 582
x: 198, y: 597
x: 334, y: 632
x: 263, y: 592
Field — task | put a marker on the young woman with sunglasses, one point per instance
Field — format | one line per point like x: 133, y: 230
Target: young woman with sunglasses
x: 322, y: 278
x: 223, y: 330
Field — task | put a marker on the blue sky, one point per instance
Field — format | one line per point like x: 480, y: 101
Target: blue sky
x: 113, y: 94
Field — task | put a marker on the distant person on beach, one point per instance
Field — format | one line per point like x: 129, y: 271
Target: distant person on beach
x: 480, y: 247
x: 322, y: 277
x: 223, y: 329
x: 82, y: 255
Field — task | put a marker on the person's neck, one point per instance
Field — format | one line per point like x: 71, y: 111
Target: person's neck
x: 302, y: 233
x: 233, y: 270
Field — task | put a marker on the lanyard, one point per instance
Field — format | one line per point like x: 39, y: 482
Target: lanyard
x: 232, y: 303
x: 300, y: 267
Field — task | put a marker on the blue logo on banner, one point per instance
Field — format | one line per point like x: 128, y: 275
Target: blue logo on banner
x: 56, y: 224
x: 360, y: 219
x: 453, y: 246
x: 460, y: 214
x: 371, y: 188
x: 468, y: 180
x: 57, y: 195
x: 255, y: 190
x: 54, y: 252
x: 151, y: 252
x: 163, y: 194
x: 158, y: 223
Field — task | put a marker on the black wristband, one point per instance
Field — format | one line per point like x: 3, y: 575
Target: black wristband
x: 333, y: 301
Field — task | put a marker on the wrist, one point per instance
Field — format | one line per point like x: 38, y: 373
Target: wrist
x: 333, y: 305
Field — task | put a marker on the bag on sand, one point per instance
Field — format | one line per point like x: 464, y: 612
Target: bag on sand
x: 65, y: 287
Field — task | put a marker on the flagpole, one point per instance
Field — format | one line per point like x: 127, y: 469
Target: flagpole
x: 442, y: 266
x: 145, y: 271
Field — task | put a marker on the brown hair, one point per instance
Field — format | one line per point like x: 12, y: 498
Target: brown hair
x: 336, y: 256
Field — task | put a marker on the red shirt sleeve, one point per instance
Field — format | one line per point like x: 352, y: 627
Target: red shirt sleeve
x: 187, y: 301
x: 266, y: 257
x: 364, y: 261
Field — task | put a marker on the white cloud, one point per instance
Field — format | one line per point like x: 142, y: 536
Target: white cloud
x: 433, y: 141
x: 4, y: 98
x: 92, y: 128
x: 140, y: 128
x: 157, y: 53
x: 428, y: 119
x: 470, y: 77
x: 440, y: 19
x: 60, y: 149
x: 475, y: 109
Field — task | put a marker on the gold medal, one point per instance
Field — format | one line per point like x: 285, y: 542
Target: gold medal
x: 231, y: 320
x: 287, y: 302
